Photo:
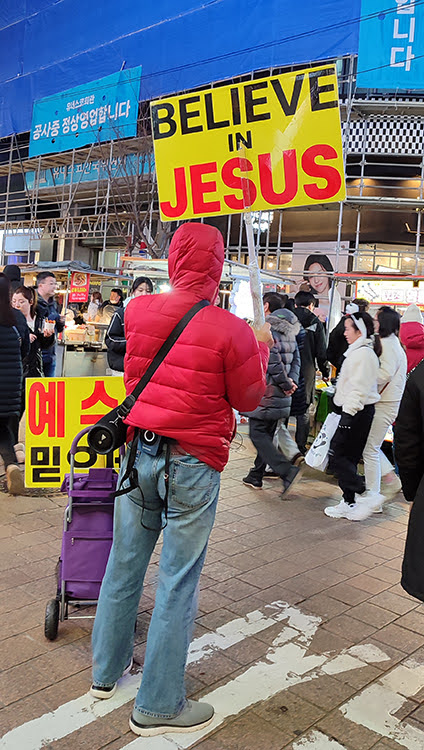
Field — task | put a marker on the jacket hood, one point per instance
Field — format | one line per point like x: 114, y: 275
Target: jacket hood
x: 195, y: 261
x: 284, y: 321
x: 13, y: 273
x: 412, y: 335
x: 306, y: 317
x: 412, y: 314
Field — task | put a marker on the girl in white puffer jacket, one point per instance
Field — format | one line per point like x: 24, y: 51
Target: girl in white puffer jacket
x: 391, y: 384
x: 355, y: 398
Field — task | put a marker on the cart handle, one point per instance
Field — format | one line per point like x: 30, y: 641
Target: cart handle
x: 77, y: 438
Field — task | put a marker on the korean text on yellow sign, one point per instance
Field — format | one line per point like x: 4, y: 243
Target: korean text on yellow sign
x: 262, y: 144
x: 56, y: 410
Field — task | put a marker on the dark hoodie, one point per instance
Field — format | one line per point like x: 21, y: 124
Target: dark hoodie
x: 314, y: 352
x: 283, y: 366
x: 13, y: 273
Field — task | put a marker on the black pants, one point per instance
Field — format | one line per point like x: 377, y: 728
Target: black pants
x: 7, y: 451
x: 345, y: 453
x: 261, y: 433
x: 302, y: 431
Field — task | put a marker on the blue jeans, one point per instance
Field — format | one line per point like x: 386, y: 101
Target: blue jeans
x: 192, y: 500
x: 49, y: 363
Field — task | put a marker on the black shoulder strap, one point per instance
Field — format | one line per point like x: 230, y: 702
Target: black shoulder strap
x: 130, y: 400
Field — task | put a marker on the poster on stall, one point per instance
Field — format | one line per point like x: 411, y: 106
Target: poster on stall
x: 313, y: 267
x: 261, y: 144
x: 79, y: 288
x: 56, y: 410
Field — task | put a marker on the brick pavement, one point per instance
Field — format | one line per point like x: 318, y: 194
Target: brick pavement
x: 343, y: 577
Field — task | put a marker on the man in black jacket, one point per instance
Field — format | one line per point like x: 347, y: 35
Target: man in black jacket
x: 409, y: 452
x: 313, y: 355
x: 48, y: 309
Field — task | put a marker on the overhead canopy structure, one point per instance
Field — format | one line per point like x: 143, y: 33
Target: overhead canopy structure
x: 48, y: 46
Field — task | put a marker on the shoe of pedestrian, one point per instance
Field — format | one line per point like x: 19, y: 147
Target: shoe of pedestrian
x: 194, y: 716
x: 2, y: 469
x: 293, y: 476
x: 337, y: 511
x: 390, y: 487
x: 269, y: 475
x: 374, y: 501
x: 298, y: 459
x: 15, y: 480
x: 98, y: 691
x: 20, y: 453
x: 252, y: 482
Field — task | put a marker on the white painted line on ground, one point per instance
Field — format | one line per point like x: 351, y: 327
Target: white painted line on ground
x: 375, y: 707
x: 285, y: 666
x: 82, y: 711
x: 317, y: 741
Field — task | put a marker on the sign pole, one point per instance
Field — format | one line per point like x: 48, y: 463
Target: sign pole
x: 254, y: 274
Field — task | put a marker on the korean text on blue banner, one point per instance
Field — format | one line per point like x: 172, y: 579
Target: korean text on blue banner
x: 391, y: 44
x: 102, y: 110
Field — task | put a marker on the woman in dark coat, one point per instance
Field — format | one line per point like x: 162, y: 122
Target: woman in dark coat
x: 409, y: 452
x: 282, y: 378
x: 115, y: 335
x: 12, y: 339
x: 24, y: 300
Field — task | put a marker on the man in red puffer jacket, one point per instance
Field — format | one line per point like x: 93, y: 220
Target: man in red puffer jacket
x: 216, y: 365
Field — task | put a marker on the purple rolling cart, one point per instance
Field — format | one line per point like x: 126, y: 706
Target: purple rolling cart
x: 86, y: 542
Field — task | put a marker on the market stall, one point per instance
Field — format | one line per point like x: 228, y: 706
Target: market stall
x: 81, y: 350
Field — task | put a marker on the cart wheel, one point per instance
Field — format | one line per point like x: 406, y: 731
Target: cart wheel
x: 51, y: 621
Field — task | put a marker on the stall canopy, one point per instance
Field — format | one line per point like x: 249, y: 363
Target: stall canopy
x: 48, y: 46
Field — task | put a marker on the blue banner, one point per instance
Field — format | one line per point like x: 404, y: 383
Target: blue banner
x: 98, y: 169
x: 102, y: 110
x: 391, y: 44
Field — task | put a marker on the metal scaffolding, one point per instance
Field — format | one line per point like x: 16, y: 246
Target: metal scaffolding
x: 95, y: 196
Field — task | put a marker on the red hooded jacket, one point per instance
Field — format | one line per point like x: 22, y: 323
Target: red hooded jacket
x: 215, y: 365
x: 412, y: 337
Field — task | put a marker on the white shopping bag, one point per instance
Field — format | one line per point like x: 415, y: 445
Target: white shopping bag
x: 317, y: 456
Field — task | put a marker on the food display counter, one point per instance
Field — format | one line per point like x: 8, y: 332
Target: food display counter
x: 82, y: 350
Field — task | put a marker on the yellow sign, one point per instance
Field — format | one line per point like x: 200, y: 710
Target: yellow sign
x: 56, y: 410
x: 262, y: 144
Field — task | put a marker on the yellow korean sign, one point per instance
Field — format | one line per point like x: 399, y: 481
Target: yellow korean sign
x: 263, y: 144
x: 56, y: 410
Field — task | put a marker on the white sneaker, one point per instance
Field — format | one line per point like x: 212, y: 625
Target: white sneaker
x: 391, y: 489
x: 366, y: 504
x: 337, y: 511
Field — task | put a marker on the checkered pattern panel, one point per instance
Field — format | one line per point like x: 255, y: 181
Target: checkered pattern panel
x: 388, y: 135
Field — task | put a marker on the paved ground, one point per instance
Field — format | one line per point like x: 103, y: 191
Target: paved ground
x: 304, y: 636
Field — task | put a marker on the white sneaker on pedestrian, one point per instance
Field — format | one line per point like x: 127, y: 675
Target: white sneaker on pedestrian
x: 390, y: 487
x: 367, y: 503
x: 337, y: 511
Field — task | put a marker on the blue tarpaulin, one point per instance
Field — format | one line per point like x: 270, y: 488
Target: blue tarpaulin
x: 47, y: 46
